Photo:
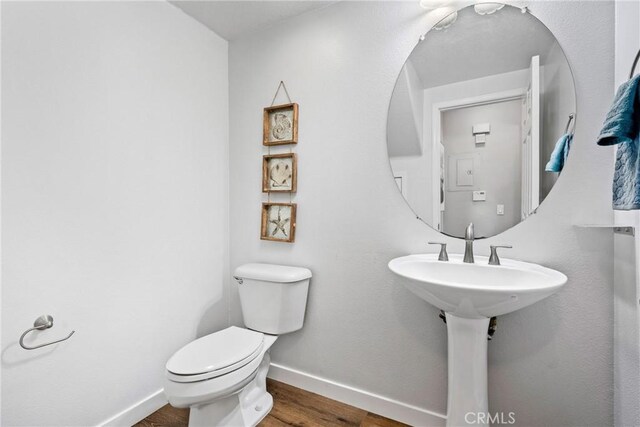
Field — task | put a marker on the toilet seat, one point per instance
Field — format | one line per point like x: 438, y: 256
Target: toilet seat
x: 188, y: 392
x: 215, y: 355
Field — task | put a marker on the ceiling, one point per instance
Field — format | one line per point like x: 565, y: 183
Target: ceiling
x: 477, y: 46
x: 234, y: 19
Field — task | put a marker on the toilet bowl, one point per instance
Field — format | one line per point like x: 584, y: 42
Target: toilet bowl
x: 221, y: 377
x: 229, y: 388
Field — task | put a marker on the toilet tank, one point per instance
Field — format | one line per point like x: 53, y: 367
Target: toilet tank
x: 273, y: 297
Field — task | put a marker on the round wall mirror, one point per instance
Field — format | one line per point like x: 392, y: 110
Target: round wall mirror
x: 481, y: 120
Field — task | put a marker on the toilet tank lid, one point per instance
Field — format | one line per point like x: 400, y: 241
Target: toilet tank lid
x: 272, y: 273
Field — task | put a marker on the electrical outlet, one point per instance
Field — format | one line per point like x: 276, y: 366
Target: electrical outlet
x: 500, y: 209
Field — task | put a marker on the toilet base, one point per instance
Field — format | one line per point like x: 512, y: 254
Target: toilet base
x: 243, y: 409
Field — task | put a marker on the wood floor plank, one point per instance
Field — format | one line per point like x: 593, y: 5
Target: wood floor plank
x: 302, y: 408
x: 291, y: 407
x: 375, y: 420
x: 167, y: 416
x: 270, y: 421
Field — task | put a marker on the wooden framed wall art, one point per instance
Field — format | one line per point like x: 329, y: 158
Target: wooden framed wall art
x: 279, y: 173
x: 278, y: 222
x: 280, y: 125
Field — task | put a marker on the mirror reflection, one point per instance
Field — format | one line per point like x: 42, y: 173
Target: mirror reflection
x: 481, y: 120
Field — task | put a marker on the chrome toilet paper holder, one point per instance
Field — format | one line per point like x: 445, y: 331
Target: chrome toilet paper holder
x: 41, y: 323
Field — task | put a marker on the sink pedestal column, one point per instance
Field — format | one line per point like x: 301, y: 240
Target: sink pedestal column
x: 467, y: 400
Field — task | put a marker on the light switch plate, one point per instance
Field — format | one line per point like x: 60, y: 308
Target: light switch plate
x: 481, y: 128
x: 479, y: 196
x: 500, y: 209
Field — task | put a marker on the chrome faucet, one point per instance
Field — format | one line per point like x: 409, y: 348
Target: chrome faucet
x: 468, y: 244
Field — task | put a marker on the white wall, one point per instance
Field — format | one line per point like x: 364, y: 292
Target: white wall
x: 550, y: 363
x: 114, y: 216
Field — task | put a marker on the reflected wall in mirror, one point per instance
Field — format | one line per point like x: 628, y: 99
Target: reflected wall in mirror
x: 475, y: 115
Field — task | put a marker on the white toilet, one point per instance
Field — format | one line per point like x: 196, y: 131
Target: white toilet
x: 222, y: 376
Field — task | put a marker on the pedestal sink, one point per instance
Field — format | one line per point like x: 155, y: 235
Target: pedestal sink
x: 470, y: 294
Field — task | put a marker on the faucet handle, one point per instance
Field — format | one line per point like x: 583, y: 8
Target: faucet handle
x: 493, y: 258
x: 443, y: 256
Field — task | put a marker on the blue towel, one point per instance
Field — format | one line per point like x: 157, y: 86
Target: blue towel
x: 560, y: 154
x: 622, y: 127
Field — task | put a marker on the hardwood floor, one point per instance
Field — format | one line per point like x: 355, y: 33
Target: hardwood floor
x: 291, y: 407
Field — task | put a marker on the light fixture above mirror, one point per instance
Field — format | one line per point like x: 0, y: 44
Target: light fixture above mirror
x: 487, y: 8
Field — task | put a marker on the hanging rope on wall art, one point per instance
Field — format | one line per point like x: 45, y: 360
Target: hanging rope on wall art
x: 283, y: 86
x: 290, y: 192
x: 280, y: 122
x: 268, y: 192
x: 273, y: 101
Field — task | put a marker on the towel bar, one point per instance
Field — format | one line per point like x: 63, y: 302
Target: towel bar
x: 617, y: 228
x: 635, y: 63
x: 571, y: 117
x: 42, y: 322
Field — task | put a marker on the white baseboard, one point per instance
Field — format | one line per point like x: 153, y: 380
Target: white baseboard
x: 390, y: 408
x: 137, y: 411
x: 371, y: 402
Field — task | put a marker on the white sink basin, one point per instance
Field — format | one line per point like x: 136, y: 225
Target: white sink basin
x: 476, y: 290
x: 470, y: 294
